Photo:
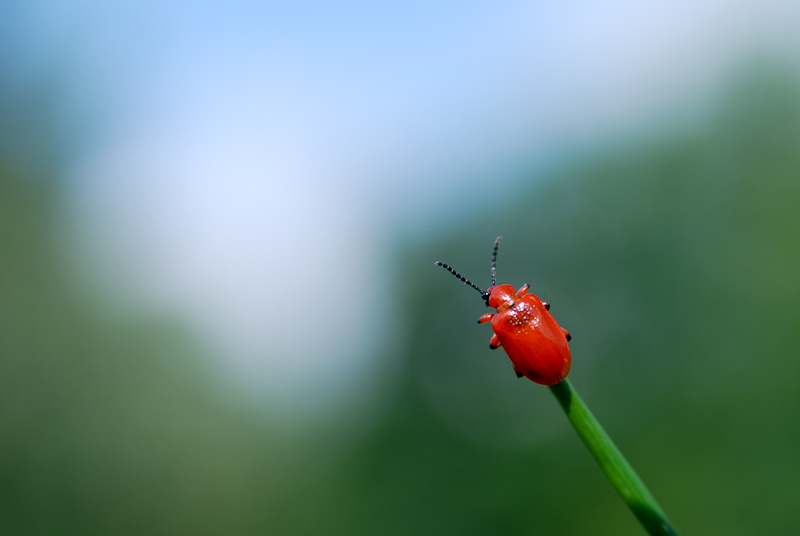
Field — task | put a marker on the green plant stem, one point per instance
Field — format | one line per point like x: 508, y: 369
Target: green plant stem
x: 622, y: 476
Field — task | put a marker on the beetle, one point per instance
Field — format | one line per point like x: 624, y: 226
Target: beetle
x: 537, y: 346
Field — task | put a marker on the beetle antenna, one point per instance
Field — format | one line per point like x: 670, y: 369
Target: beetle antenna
x: 494, y: 259
x: 461, y: 277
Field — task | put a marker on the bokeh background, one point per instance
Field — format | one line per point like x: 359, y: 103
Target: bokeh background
x: 219, y: 312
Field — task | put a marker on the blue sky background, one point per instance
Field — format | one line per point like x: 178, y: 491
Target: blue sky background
x: 224, y: 162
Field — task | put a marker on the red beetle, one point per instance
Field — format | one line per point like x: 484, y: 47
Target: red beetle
x: 537, y: 346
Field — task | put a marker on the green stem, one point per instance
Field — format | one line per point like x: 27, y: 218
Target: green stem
x: 622, y: 476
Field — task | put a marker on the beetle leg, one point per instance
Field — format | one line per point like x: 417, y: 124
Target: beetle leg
x: 523, y: 290
x: 485, y: 318
x: 495, y: 343
x: 546, y: 305
x: 519, y: 374
x: 566, y: 334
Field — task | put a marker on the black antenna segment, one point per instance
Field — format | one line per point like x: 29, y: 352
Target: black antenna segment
x: 494, y: 259
x: 461, y: 277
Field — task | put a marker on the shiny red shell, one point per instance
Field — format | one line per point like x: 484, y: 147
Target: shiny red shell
x: 537, y: 346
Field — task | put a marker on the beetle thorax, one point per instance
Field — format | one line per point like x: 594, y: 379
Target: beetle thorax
x: 502, y: 297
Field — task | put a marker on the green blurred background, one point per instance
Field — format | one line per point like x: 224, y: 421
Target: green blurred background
x: 672, y: 257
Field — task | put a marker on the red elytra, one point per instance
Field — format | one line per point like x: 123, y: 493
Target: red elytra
x: 537, y: 346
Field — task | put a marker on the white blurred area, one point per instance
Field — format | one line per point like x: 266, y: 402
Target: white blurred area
x: 261, y: 257
x: 246, y: 167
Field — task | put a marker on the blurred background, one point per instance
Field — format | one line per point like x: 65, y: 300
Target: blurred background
x: 219, y: 312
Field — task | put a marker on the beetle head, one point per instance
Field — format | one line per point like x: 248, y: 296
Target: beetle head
x: 501, y: 297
